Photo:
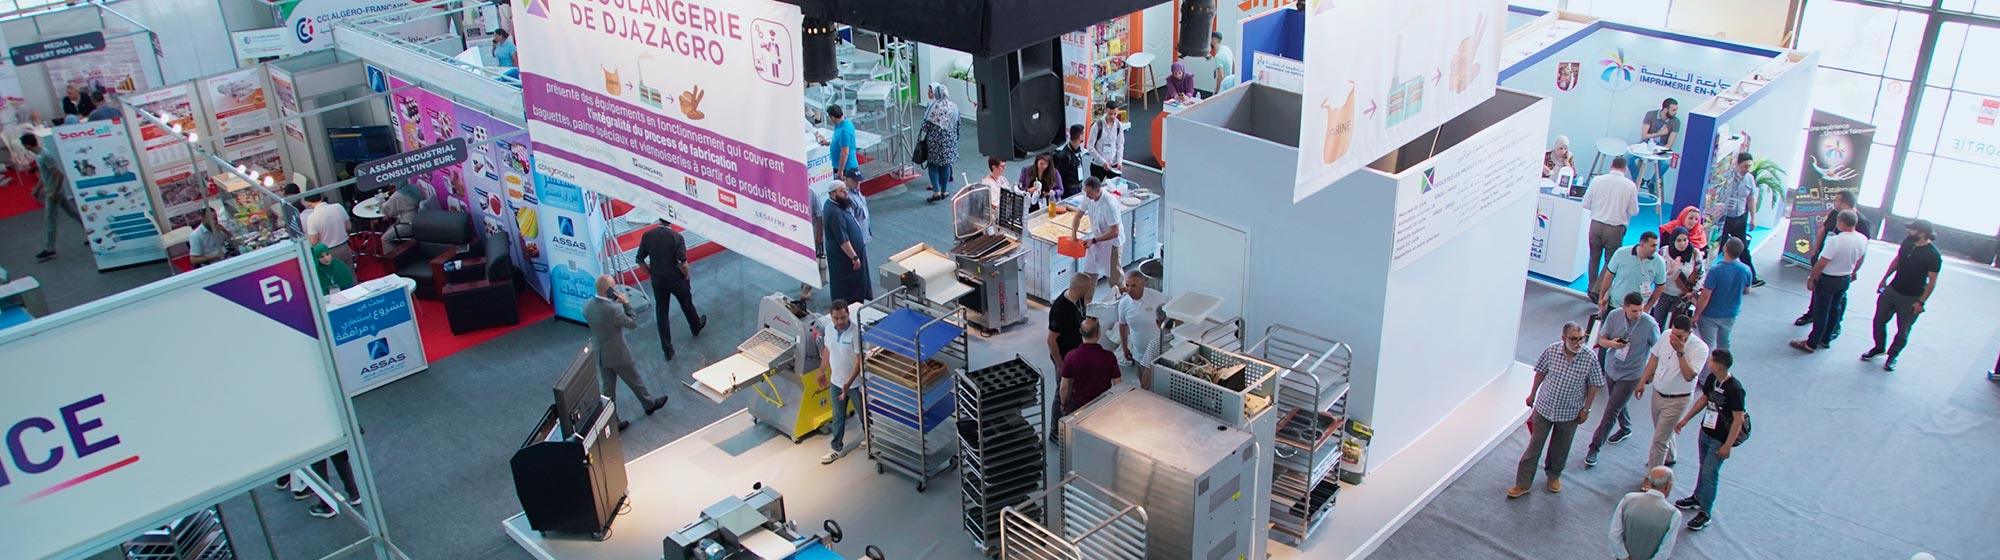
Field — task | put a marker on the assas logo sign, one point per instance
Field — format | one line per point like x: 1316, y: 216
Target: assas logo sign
x: 379, y: 351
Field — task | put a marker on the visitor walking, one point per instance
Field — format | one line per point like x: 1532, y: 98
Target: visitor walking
x: 1915, y: 271
x: 1566, y: 379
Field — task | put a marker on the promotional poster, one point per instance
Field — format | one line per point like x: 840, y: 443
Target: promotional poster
x: 239, y: 107
x: 1836, y: 158
x: 502, y: 198
x: 375, y: 340
x: 574, y: 251
x: 104, y: 181
x: 613, y: 103
x: 1430, y: 61
x: 310, y: 23
x: 161, y: 147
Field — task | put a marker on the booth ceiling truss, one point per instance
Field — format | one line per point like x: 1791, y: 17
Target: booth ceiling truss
x: 984, y: 28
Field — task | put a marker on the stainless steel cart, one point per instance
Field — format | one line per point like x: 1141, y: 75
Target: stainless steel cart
x: 910, y: 355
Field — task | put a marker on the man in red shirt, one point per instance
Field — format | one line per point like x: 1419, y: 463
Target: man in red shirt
x: 1087, y: 371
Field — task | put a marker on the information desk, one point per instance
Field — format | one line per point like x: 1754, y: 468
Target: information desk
x: 1561, y: 236
x: 375, y: 337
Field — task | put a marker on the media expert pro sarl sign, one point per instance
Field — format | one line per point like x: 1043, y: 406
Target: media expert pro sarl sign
x: 394, y: 169
x: 52, y: 49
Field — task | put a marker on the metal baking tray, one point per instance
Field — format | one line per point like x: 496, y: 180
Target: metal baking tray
x: 768, y: 347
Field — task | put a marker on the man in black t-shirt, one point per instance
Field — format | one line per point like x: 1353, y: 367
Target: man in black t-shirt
x: 1066, y: 315
x: 1720, y: 407
x: 1827, y: 227
x: 1915, y: 272
x: 1069, y: 162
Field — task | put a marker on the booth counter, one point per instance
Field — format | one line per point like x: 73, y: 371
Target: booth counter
x: 1047, y: 272
x: 375, y: 338
x: 1562, y: 236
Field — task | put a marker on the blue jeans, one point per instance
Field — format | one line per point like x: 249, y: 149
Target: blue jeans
x: 1826, y: 297
x: 1711, y: 472
x: 840, y: 399
x: 1715, y: 330
x: 940, y: 176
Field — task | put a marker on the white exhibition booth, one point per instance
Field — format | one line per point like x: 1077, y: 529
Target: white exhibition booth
x: 1603, y: 77
x: 154, y: 422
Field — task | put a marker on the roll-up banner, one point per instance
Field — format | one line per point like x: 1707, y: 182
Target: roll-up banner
x: 688, y: 108
x: 1426, y: 61
x: 1836, y: 158
x: 123, y: 411
x: 104, y: 181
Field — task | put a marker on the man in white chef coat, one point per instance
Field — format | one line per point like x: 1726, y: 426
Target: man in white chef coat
x: 1106, y: 233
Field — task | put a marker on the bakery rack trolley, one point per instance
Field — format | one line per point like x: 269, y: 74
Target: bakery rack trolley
x: 908, y: 357
x: 1311, y: 406
x: 1090, y: 523
x: 1003, y: 425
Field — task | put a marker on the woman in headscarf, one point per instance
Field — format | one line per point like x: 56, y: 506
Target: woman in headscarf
x: 402, y: 207
x: 334, y: 274
x: 941, y: 140
x: 1689, y: 219
x: 1180, y: 84
x: 1039, y: 180
x: 1683, y: 276
x: 1558, y: 158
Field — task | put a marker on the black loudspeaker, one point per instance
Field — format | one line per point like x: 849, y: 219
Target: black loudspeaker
x: 1197, y: 21
x: 1024, y: 90
x: 818, y: 42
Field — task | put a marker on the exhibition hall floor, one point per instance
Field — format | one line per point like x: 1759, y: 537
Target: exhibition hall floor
x: 1848, y: 461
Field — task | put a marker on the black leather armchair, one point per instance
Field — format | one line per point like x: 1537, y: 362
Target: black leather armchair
x: 439, y: 236
x: 480, y: 292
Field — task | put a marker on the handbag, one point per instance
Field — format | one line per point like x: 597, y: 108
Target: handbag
x: 922, y: 153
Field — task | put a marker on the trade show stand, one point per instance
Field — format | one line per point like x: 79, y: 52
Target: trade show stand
x: 1375, y: 260
x: 1562, y: 235
x: 375, y: 338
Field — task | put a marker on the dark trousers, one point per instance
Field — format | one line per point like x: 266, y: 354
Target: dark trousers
x: 677, y: 290
x: 1102, y: 172
x: 1739, y: 227
x: 1894, y: 305
x: 346, y: 470
x: 1826, y: 296
x: 1615, y: 411
x: 1604, y: 241
x: 1557, y: 436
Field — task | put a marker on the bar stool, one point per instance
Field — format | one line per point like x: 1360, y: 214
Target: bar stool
x: 1612, y: 148
x: 1143, y: 62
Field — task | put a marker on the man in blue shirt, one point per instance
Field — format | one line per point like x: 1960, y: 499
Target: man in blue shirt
x: 843, y: 151
x: 1722, y: 295
x: 503, y: 48
x: 1633, y: 268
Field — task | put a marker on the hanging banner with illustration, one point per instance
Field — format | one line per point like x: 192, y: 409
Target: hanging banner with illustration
x: 1428, y: 61
x: 239, y: 107
x: 689, y: 112
x: 160, y: 147
x: 119, y: 67
x: 104, y: 182
x: 1836, y: 158
x: 287, y: 93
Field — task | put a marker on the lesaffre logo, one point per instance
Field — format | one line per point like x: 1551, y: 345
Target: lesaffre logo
x: 1617, y: 74
x: 73, y: 434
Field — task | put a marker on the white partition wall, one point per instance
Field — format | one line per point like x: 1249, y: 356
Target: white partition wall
x: 1417, y: 269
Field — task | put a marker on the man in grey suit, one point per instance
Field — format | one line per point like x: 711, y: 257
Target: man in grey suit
x: 610, y: 315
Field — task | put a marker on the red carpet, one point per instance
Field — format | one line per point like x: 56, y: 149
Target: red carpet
x: 17, y: 197
x: 884, y: 181
x: 439, y: 342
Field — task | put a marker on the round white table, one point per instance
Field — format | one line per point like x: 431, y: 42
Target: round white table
x: 370, y: 209
x: 1651, y: 158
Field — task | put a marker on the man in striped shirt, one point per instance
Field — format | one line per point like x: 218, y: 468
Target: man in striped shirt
x: 1566, y: 379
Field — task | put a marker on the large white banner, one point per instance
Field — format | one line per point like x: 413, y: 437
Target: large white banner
x: 1464, y: 185
x: 118, y: 414
x: 1380, y: 73
x: 688, y: 108
x: 310, y: 23
x: 103, y: 174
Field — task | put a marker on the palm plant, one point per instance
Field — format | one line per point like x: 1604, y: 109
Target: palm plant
x: 1770, y: 179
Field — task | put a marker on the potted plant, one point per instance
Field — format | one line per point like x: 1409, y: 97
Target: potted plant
x: 960, y: 79
x: 1770, y: 179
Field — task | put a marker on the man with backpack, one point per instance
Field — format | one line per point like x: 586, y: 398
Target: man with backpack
x: 1724, y: 425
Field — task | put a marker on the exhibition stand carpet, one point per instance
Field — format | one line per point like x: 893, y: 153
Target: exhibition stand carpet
x: 1643, y: 222
x: 17, y: 195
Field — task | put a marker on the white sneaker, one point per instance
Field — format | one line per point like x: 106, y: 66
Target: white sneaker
x: 829, y: 458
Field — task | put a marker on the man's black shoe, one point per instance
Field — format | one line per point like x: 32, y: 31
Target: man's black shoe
x: 1871, y: 354
x: 622, y: 425
x: 656, y: 404
x: 45, y: 255
x: 1802, y: 320
x: 699, y: 326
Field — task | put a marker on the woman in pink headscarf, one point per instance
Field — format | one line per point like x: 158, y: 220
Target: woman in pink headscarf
x: 1180, y: 84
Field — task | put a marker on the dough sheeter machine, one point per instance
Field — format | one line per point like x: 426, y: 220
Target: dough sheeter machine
x: 753, y: 526
x: 779, y: 363
x: 987, y: 222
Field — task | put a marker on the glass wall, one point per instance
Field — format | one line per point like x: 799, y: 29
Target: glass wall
x: 1943, y: 167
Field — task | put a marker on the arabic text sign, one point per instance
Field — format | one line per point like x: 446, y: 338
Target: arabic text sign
x: 394, y: 169
x: 57, y: 48
x: 1682, y: 80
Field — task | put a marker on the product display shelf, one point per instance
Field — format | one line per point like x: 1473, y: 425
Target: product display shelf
x: 1002, y: 428
x: 1311, y: 404
x: 911, y: 353
x: 196, y: 537
x: 1086, y: 522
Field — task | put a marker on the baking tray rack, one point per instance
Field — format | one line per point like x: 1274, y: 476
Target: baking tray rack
x: 767, y: 347
x: 910, y: 354
x: 1003, y: 454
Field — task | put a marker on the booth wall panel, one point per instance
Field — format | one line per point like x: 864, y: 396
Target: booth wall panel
x: 1776, y: 118
x: 1319, y: 265
x: 192, y: 32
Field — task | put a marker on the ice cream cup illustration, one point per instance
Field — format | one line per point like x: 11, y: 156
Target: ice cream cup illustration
x: 611, y: 83
x: 1339, y: 127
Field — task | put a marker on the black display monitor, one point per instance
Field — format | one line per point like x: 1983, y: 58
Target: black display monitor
x: 361, y: 143
x: 577, y: 393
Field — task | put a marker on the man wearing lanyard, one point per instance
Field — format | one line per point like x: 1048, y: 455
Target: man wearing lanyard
x: 1830, y: 278
x: 1722, y: 424
x: 1739, y: 209
x: 1671, y: 371
x: 1635, y: 269
x: 1623, y: 367
x: 841, y: 352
